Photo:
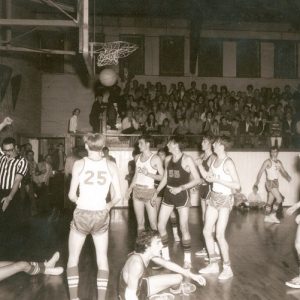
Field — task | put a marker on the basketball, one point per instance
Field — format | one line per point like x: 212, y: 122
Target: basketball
x: 108, y: 77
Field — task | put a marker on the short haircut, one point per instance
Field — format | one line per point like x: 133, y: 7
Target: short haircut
x: 274, y: 148
x: 144, y: 240
x: 74, y: 110
x: 163, y: 150
x: 8, y: 141
x: 105, y: 148
x: 209, y: 138
x: 225, y: 141
x: 95, y: 141
x: 146, y: 137
x: 178, y: 139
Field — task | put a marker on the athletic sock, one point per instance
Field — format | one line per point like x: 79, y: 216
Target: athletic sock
x: 36, y: 268
x: 165, y: 249
x: 73, y: 281
x: 174, y: 227
x: 187, y: 250
x: 102, y: 281
x: 213, y: 258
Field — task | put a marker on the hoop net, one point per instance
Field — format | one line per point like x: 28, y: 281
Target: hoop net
x: 110, y: 53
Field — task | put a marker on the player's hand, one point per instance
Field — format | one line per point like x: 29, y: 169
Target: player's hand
x: 7, y: 121
x: 175, y: 190
x: 5, y: 201
x: 198, y: 278
x: 153, y: 200
x: 291, y: 210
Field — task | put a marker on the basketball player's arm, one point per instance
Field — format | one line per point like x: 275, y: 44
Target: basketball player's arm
x: 115, y: 181
x: 177, y: 269
x: 135, y: 270
x: 156, y: 163
x: 77, y: 167
x: 129, y: 190
x: 262, y: 169
x: 284, y: 173
x: 5, y: 122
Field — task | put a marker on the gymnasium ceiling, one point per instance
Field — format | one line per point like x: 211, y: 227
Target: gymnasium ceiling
x: 286, y: 11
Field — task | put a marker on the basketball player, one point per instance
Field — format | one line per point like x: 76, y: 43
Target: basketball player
x: 134, y: 283
x: 93, y: 175
x: 272, y: 167
x: 9, y: 268
x: 206, y: 160
x: 179, y: 169
x: 224, y: 178
x: 295, y: 282
x: 149, y: 168
x: 163, y: 153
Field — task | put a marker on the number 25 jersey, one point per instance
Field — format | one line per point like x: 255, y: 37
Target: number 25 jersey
x: 94, y: 183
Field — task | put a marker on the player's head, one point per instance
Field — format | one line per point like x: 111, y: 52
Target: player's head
x: 222, y: 143
x: 148, y: 240
x: 163, y: 153
x: 144, y: 142
x: 94, y: 141
x: 207, y: 142
x: 176, y: 141
x: 274, y: 151
x: 9, y: 147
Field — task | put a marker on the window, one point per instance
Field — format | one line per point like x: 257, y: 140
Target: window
x: 248, y: 58
x: 285, y: 59
x: 135, y: 62
x: 210, y: 58
x: 171, y: 56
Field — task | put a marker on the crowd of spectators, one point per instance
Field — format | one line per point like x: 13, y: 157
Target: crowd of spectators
x: 255, y: 118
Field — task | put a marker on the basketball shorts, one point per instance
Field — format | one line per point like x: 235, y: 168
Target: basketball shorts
x: 179, y: 200
x: 90, y: 221
x: 204, y: 190
x: 218, y: 200
x: 143, y: 194
x: 272, y: 184
x: 142, y: 292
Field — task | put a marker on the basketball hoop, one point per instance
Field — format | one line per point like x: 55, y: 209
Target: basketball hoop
x: 110, y: 53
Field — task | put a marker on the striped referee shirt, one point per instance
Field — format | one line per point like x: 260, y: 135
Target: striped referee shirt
x: 9, y: 168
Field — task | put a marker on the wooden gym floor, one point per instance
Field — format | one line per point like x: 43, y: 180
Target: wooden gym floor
x: 262, y: 256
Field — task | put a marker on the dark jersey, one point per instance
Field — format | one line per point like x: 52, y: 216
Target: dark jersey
x: 177, y: 175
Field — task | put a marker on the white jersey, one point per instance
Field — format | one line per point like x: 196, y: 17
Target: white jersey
x: 94, y: 183
x: 142, y: 179
x: 273, y: 171
x: 220, y: 174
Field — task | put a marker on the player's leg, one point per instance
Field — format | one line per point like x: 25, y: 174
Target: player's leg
x: 220, y: 234
x: 159, y: 283
x: 211, y: 217
x: 163, y: 218
x: 101, y: 245
x: 152, y: 215
x: 183, y: 213
x: 295, y: 282
x: 278, y: 200
x: 139, y: 210
x: 76, y: 241
x: 268, y: 207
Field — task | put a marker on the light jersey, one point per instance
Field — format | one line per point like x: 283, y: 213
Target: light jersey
x: 220, y: 174
x: 94, y: 183
x: 142, y: 179
x: 273, y: 171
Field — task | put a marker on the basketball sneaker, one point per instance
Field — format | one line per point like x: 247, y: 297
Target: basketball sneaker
x: 185, y: 288
x: 212, y: 268
x: 201, y: 253
x: 294, y: 283
x: 226, y: 273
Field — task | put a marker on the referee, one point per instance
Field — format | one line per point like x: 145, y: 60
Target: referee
x: 12, y: 170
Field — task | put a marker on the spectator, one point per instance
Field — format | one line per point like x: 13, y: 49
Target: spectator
x: 97, y: 109
x: 195, y: 124
x: 224, y: 127
x: 129, y: 123
x: 254, y: 198
x: 288, y: 128
x: 214, y: 129
x: 247, y: 132
x: 73, y: 122
x: 151, y: 124
x: 105, y: 151
x: 276, y: 131
x: 166, y: 129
